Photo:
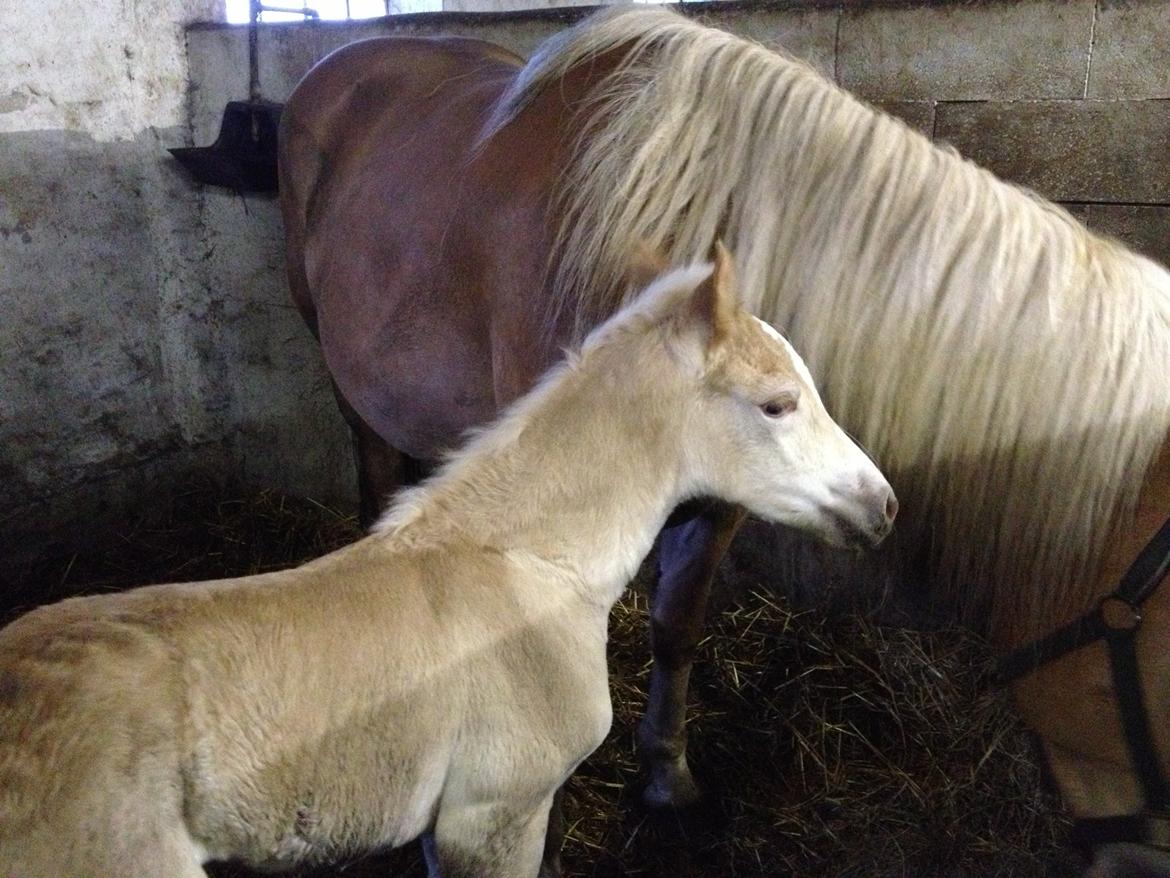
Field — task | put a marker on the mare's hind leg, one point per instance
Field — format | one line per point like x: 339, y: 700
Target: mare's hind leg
x: 381, y: 469
x: 488, y: 840
x: 688, y: 556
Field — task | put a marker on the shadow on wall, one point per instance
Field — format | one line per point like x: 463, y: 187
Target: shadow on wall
x: 140, y: 344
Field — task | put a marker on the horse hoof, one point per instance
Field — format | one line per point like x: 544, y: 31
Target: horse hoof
x: 1129, y: 861
x: 671, y: 786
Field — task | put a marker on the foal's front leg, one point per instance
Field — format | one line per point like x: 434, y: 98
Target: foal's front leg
x: 688, y: 555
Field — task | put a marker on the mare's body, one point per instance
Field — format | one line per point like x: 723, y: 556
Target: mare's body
x: 1004, y: 363
x: 427, y: 324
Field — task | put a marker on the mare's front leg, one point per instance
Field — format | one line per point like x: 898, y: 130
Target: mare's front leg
x: 488, y: 840
x: 554, y: 838
x: 688, y: 555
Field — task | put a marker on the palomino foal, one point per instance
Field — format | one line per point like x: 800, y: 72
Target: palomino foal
x: 447, y: 673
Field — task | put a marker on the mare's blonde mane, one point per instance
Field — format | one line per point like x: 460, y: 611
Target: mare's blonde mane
x: 1006, y: 366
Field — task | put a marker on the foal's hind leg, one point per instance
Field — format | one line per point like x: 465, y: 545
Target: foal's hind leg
x: 688, y: 556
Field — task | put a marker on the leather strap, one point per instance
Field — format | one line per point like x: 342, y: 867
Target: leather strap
x: 1116, y: 619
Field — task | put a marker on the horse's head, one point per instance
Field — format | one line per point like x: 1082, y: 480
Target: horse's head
x: 756, y: 432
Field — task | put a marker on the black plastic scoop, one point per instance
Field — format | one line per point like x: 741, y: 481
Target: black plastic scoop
x: 243, y: 157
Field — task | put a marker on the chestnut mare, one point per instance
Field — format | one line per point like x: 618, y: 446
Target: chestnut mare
x: 454, y: 216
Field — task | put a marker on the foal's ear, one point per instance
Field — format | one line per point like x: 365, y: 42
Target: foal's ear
x: 714, y: 301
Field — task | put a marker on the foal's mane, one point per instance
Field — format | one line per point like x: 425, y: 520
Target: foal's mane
x: 478, y: 479
x: 1006, y: 366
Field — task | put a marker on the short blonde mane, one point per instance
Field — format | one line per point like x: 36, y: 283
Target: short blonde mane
x: 482, y: 467
x: 1006, y: 366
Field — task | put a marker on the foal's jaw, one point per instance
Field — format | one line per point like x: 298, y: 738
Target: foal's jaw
x: 816, y: 478
x: 859, y: 517
x: 850, y: 506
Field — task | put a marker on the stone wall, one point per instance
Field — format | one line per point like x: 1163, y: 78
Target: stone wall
x: 1069, y: 98
x: 147, y: 322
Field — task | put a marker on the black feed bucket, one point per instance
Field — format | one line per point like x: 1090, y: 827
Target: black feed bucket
x: 243, y: 157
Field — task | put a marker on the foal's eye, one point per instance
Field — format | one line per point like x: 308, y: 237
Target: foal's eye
x: 780, y: 406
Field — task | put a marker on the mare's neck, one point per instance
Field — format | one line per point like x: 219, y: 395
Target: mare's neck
x: 583, y: 475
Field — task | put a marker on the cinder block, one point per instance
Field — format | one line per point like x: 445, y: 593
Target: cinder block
x: 1145, y: 228
x: 1131, y: 50
x: 522, y: 35
x: 969, y: 51
x: 807, y: 34
x: 916, y: 114
x: 514, y: 5
x: 1068, y: 150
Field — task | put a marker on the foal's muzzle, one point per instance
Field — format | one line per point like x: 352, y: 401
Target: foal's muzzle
x: 866, y: 516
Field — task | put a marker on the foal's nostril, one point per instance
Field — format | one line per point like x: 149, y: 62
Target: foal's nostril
x: 891, y: 506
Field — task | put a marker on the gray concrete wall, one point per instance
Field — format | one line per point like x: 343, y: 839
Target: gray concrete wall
x: 147, y: 324
x: 103, y: 385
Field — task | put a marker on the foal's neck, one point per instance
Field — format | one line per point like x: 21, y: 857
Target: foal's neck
x: 582, y: 473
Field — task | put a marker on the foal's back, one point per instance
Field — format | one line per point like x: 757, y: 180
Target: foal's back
x: 263, y: 712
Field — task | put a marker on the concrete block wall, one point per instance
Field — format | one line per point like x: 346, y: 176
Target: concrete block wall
x: 1070, y: 98
x: 147, y: 322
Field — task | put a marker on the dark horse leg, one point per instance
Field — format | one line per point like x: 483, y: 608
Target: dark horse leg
x: 688, y: 556
x: 554, y: 838
x: 381, y: 468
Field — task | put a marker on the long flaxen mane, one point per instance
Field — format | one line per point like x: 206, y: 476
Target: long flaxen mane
x: 1006, y: 366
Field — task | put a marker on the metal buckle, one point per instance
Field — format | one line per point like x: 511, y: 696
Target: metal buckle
x: 1118, y: 614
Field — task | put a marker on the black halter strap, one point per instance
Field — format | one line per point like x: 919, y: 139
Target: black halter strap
x: 1116, y: 620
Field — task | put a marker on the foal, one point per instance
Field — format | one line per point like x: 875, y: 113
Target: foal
x: 447, y: 673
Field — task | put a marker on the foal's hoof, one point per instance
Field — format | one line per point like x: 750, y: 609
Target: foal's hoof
x: 671, y: 785
x: 1129, y: 861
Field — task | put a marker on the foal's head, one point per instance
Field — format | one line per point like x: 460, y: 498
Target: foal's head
x: 756, y: 432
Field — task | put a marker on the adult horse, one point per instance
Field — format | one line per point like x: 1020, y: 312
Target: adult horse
x: 454, y: 216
